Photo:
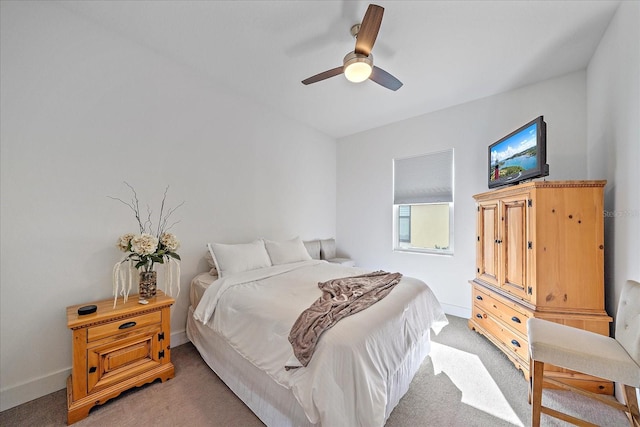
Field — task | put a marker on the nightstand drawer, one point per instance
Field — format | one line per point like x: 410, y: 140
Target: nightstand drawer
x: 128, y: 324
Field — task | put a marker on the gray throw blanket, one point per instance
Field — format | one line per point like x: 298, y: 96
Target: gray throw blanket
x: 340, y: 298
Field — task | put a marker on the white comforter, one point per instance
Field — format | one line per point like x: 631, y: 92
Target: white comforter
x: 345, y: 384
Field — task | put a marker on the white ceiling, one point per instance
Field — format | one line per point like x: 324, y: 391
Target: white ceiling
x: 445, y: 52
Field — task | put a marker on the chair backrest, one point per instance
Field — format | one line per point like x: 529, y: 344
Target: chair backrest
x: 628, y: 319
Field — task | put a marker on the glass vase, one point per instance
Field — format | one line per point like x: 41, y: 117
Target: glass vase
x: 148, y: 285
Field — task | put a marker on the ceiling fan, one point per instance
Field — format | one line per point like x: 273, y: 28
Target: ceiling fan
x: 358, y: 65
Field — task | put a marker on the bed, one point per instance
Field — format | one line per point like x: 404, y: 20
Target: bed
x: 240, y: 318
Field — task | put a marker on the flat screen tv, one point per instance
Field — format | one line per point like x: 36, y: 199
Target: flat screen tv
x: 519, y: 156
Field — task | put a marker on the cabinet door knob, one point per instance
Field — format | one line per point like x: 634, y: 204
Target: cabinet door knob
x: 515, y: 319
x: 516, y: 343
x: 127, y: 325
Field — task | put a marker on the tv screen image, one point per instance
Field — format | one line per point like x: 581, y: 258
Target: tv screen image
x: 519, y: 156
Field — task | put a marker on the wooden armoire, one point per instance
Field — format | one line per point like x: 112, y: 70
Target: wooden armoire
x: 540, y: 253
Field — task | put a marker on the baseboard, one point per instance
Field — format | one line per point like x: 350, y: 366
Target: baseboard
x: 455, y: 310
x: 38, y: 387
x: 179, y: 338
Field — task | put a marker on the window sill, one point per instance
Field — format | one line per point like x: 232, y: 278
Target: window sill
x: 424, y: 251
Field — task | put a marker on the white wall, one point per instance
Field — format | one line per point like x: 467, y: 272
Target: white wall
x: 364, y: 205
x: 83, y: 110
x: 613, y: 99
x: 613, y: 113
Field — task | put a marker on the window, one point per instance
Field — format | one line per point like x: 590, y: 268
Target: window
x: 423, y: 203
x: 404, y: 223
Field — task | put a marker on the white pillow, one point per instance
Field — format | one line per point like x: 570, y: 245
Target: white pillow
x: 230, y: 259
x: 328, y: 248
x: 212, y: 264
x: 287, y: 251
x: 313, y: 247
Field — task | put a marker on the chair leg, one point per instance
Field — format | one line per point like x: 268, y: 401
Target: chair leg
x: 530, y: 388
x: 537, y: 373
x: 632, y: 405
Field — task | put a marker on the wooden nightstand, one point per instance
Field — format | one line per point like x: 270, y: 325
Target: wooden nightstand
x: 115, y: 349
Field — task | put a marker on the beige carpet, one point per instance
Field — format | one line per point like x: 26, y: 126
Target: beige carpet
x: 466, y: 381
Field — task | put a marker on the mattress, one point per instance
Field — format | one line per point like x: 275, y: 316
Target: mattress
x: 199, y: 285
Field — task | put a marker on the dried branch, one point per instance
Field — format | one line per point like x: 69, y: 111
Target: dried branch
x: 134, y: 205
x: 160, y: 222
x: 163, y: 228
x: 148, y: 221
x: 170, y: 227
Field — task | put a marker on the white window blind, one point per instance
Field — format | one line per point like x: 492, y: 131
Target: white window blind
x: 423, y: 179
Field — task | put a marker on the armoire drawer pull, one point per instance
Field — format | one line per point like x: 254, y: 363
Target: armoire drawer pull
x: 516, y: 343
x: 479, y: 297
x: 127, y: 325
x: 515, y: 319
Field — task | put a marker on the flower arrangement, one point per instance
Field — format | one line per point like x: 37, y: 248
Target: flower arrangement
x: 147, y: 249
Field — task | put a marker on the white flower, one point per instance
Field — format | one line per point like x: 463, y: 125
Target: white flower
x: 123, y: 241
x: 144, y: 244
x: 170, y: 241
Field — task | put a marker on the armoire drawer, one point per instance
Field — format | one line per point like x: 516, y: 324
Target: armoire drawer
x: 512, y: 340
x: 508, y: 312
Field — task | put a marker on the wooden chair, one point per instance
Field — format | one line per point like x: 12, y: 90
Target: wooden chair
x: 590, y: 353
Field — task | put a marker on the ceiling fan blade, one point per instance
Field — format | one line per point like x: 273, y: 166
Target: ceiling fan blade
x: 385, y: 79
x: 322, y: 76
x: 369, y: 29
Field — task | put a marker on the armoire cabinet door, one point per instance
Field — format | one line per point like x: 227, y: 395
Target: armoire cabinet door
x: 513, y: 242
x: 487, y: 243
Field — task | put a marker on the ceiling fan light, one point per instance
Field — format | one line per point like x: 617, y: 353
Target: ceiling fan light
x: 357, y: 72
x: 357, y: 67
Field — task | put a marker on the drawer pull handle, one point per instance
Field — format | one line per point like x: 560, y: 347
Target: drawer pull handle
x: 479, y: 297
x: 516, y: 343
x: 479, y: 316
x: 515, y: 319
x: 127, y: 325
